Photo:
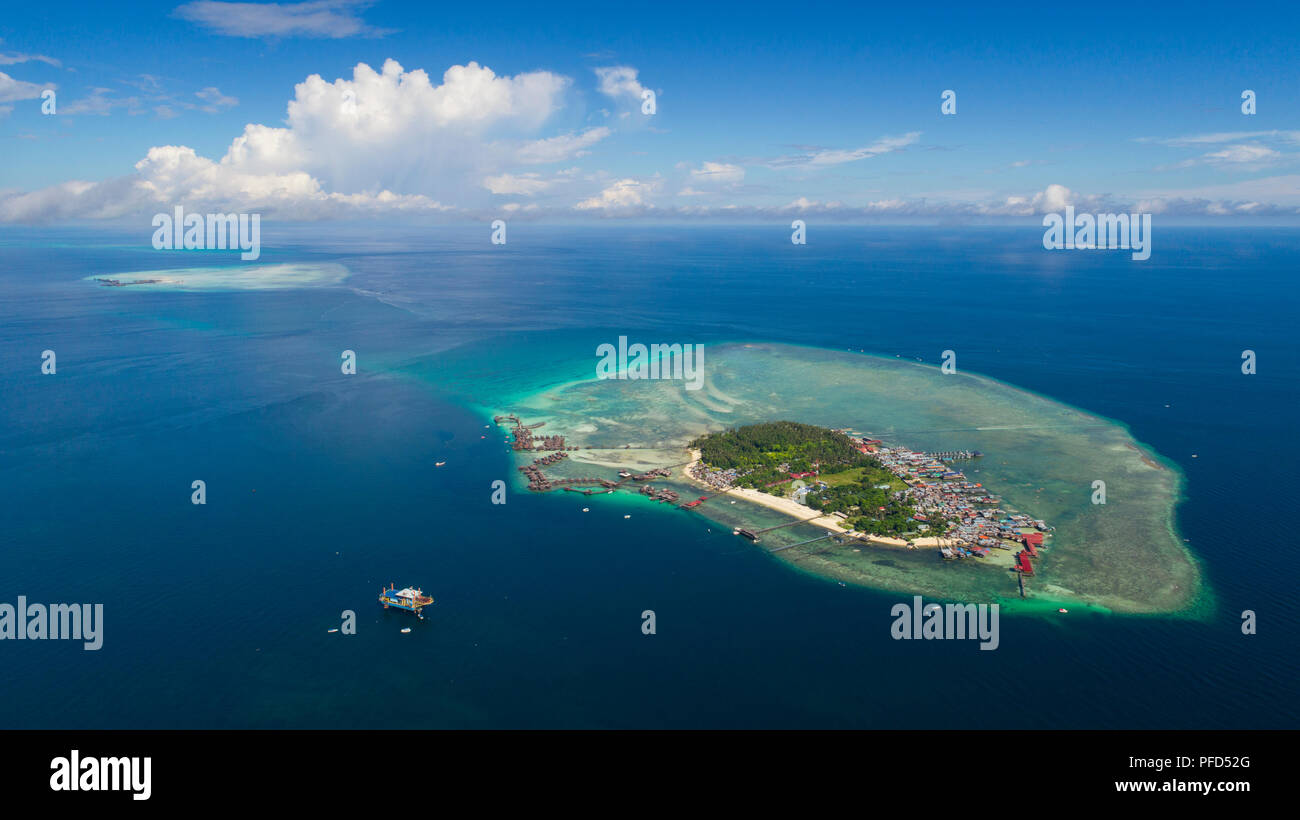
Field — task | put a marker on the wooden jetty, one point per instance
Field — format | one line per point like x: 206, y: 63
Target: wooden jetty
x: 788, y: 524
x: 801, y: 543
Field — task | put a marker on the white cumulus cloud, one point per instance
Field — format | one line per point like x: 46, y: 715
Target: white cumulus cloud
x: 517, y: 185
x: 619, y: 83
x: 621, y: 195
x: 382, y: 139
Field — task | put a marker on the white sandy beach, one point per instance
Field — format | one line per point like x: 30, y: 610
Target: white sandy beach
x: 796, y: 510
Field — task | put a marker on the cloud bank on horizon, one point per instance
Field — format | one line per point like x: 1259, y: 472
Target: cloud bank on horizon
x: 469, y: 142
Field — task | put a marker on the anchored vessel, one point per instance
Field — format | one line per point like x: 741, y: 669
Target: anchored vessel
x: 409, y: 599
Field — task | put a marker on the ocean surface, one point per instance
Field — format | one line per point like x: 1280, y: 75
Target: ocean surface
x: 321, y: 487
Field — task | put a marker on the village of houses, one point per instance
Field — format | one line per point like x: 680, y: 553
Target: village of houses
x: 936, y: 490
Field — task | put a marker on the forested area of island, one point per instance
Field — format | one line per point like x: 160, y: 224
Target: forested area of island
x: 772, y: 450
x: 874, y: 508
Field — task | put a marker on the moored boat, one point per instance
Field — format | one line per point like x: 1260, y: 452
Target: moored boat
x: 409, y: 599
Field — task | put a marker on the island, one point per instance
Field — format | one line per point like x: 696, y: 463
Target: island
x: 290, y: 275
x: 861, y: 488
x: 118, y: 283
x: 802, y: 446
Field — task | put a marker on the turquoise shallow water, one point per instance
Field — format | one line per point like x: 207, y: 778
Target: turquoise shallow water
x: 1041, y: 457
x: 321, y: 486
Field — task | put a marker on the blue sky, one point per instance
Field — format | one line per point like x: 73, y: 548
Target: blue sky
x: 830, y: 110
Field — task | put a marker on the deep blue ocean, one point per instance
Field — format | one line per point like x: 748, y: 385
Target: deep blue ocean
x: 320, y: 486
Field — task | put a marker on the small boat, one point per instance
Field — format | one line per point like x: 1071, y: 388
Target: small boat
x: 1062, y: 610
x: 627, y: 516
x: 439, y: 463
x: 331, y: 630
x: 405, y: 629
x: 586, y: 509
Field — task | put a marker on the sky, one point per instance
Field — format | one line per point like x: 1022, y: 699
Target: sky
x: 423, y: 111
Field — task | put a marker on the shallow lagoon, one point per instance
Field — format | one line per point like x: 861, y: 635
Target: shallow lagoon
x: 1042, y: 457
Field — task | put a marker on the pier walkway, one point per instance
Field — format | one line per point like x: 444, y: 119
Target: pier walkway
x: 801, y: 543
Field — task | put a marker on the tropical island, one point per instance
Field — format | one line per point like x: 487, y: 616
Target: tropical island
x: 870, y: 428
x: 859, y: 487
